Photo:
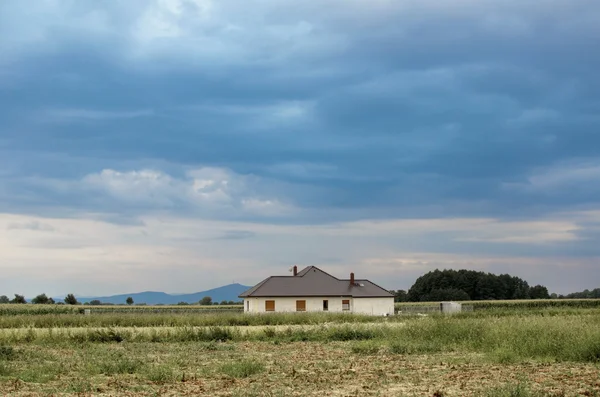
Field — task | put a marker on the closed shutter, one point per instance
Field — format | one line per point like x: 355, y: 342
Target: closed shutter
x: 300, y: 306
x: 270, y: 306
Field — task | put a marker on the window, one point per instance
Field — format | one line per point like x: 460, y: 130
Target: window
x: 325, y: 305
x: 270, y: 306
x: 346, y: 304
x: 247, y: 306
x: 300, y: 306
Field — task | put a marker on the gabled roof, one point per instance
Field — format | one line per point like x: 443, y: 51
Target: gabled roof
x: 312, y: 281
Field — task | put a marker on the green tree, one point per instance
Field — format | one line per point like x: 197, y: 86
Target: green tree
x: 129, y: 301
x: 539, y: 292
x: 585, y: 294
x: 477, y: 285
x: 4, y: 299
x: 71, y: 300
x: 207, y: 300
x: 18, y: 299
x: 447, y: 294
x: 41, y: 299
x: 399, y: 295
x: 95, y: 302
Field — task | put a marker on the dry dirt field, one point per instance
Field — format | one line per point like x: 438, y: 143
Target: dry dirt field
x: 546, y: 352
x: 287, y: 369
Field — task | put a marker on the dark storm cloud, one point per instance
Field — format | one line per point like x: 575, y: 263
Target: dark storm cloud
x: 378, y: 110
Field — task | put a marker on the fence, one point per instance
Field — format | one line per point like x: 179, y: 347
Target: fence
x: 162, y: 310
x: 431, y: 308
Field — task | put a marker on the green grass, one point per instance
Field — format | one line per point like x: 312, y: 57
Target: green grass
x: 74, y: 320
x: 223, y: 319
x: 242, y: 369
x: 252, y: 368
x: 119, y: 363
x: 504, y: 339
x: 281, y: 351
x: 160, y: 374
x: 518, y: 304
x: 366, y: 347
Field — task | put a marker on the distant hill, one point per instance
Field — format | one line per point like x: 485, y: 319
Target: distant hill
x: 227, y: 292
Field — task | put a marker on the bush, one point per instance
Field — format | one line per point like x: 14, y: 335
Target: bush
x: 219, y: 334
x: 5, y: 370
x: 6, y: 353
x: 270, y: 333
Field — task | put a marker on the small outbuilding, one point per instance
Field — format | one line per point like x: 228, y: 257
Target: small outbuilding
x: 313, y: 290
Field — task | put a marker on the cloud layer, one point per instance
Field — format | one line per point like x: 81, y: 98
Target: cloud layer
x: 478, y: 119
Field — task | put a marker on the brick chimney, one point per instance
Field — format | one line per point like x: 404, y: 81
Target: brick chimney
x: 295, y: 270
x: 351, y: 279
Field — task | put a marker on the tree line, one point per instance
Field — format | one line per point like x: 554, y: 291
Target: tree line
x: 464, y: 285
x: 70, y: 299
x: 41, y: 299
x: 434, y: 286
x: 585, y: 294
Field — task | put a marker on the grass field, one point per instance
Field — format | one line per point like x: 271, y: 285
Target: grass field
x: 510, y: 351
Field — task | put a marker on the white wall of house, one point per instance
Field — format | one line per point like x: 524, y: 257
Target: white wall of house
x: 376, y: 306
x: 313, y: 304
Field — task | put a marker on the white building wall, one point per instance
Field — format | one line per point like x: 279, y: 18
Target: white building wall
x: 313, y: 304
x: 374, y: 306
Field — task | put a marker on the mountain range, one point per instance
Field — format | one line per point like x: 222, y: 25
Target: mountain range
x: 227, y: 292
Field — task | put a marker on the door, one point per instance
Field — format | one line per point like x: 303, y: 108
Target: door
x: 325, y: 305
x: 300, y: 306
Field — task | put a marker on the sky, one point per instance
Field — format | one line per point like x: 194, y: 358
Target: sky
x: 180, y: 145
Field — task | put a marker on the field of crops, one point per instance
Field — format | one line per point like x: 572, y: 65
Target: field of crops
x: 514, y: 351
x: 519, y: 304
x: 30, y: 309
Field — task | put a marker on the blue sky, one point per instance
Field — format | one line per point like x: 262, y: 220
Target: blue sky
x: 178, y: 145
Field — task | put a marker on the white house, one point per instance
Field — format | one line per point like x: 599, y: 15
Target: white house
x: 313, y: 290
